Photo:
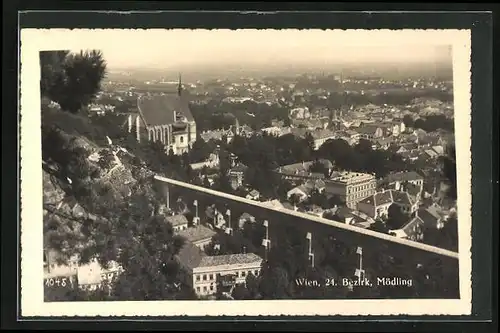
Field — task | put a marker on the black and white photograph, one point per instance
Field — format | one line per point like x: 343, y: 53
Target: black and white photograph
x: 194, y: 171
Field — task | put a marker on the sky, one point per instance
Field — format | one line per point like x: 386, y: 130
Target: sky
x: 179, y: 48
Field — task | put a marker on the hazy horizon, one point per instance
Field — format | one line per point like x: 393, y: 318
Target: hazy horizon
x: 178, y: 50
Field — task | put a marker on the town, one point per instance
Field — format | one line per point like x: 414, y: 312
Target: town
x: 357, y: 148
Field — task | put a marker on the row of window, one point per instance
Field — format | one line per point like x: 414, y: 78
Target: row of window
x: 211, y: 277
x: 353, y: 189
x: 360, y: 195
x: 205, y: 289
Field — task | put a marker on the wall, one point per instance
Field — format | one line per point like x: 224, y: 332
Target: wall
x: 410, y: 253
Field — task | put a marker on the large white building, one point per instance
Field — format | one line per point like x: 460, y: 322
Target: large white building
x: 351, y: 187
x: 209, y: 274
x: 165, y: 118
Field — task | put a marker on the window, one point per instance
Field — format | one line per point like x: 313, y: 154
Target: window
x: 205, y: 289
x: 211, y: 288
x: 198, y: 289
x: 243, y: 273
x: 204, y: 277
x: 211, y: 276
x: 197, y: 278
x: 182, y: 139
x: 256, y: 272
x: 249, y: 272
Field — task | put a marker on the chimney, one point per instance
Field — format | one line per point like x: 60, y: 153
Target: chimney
x: 175, y: 116
x: 244, y: 249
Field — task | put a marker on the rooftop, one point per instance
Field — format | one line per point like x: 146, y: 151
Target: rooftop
x: 347, y: 176
x: 159, y: 110
x: 197, y: 233
x: 177, y: 220
x: 404, y: 176
x: 230, y: 259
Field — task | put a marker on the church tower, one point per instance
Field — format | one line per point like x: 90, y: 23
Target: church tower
x: 236, y: 126
x: 179, y: 87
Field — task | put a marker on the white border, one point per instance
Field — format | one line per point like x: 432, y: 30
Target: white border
x: 35, y: 40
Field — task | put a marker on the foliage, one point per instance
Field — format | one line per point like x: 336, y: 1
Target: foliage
x: 395, y: 217
x: 71, y: 79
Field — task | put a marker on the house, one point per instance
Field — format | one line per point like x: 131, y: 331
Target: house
x: 244, y: 218
x: 179, y: 222
x: 315, y: 210
x: 377, y: 205
x: 352, y: 137
x: 237, y: 175
x: 431, y: 153
x: 199, y: 235
x: 412, y: 230
x: 382, y: 143
x: 217, y: 218
x: 401, y: 177
x: 253, y: 195
x: 350, y: 216
x: 439, y: 150
x: 302, y: 192
x: 321, y: 136
x: 432, y: 216
x: 315, y: 184
x: 370, y: 132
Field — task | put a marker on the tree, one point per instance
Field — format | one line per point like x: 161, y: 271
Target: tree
x: 200, y: 151
x: 274, y: 283
x: 71, y: 79
x: 395, y: 217
x: 295, y: 199
x: 379, y: 226
x: 408, y: 120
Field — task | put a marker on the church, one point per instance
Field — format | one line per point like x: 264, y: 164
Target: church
x: 165, y: 118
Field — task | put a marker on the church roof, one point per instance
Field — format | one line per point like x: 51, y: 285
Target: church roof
x: 159, y: 110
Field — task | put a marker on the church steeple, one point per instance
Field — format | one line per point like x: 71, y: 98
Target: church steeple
x: 179, y: 87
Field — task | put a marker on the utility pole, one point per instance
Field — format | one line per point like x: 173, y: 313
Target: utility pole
x: 360, y: 272
x: 196, y: 219
x: 310, y: 254
x: 229, y: 230
x: 266, y: 242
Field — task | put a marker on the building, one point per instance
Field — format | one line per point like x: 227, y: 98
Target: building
x: 178, y: 222
x: 199, y: 235
x: 165, y: 118
x: 90, y: 276
x: 253, y: 195
x: 370, y: 132
x: 377, y: 205
x: 412, y: 230
x: 93, y: 276
x: 351, y: 187
x: 321, y: 136
x: 237, y: 175
x: 396, y: 179
x: 208, y: 275
x: 433, y: 217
